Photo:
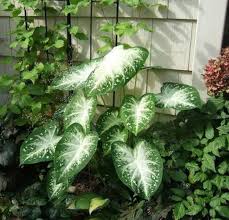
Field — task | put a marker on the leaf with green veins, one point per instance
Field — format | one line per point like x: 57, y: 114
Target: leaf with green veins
x: 208, y: 162
x: 137, y: 114
x: 40, y: 145
x: 74, y: 151
x: 179, y: 211
x: 97, y: 203
x: 80, y: 110
x: 194, y: 210
x: 107, y: 120
x: 59, y: 44
x: 140, y: 168
x: 75, y: 77
x: 178, y: 96
x: 54, y: 189
x: 116, y: 69
x: 114, y: 134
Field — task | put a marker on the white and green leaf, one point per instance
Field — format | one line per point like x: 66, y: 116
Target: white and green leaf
x: 40, y: 144
x: 114, y: 134
x: 136, y: 114
x: 116, y: 69
x: 107, y: 120
x: 54, y: 189
x: 80, y: 109
x: 140, y: 168
x: 74, y: 151
x: 75, y: 76
x: 178, y: 96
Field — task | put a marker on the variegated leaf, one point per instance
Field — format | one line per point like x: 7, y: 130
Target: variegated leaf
x: 114, y: 134
x: 75, y: 76
x: 116, y: 69
x: 178, y: 96
x: 54, y: 189
x: 80, y: 109
x: 137, y: 114
x: 74, y: 151
x: 140, y: 168
x: 107, y: 120
x: 40, y: 144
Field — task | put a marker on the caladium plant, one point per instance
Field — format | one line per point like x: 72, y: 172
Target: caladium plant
x: 71, y: 143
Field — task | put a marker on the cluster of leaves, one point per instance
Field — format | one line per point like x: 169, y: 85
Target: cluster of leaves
x: 70, y: 143
x: 216, y: 74
x: 196, y: 161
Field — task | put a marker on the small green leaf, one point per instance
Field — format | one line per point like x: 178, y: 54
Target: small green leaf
x: 179, y: 211
x: 97, y: 203
x: 59, y: 44
x: 222, y: 169
x: 223, y: 211
x: 3, y: 110
x: 209, y: 132
x: 208, y: 162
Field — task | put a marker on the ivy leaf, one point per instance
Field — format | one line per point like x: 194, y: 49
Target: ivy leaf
x: 107, y: 120
x: 73, y: 152
x: 179, y: 211
x: 40, y: 145
x: 81, y: 36
x: 137, y: 114
x: 116, y: 69
x: 178, y: 96
x: 114, y: 134
x: 140, y: 168
x: 75, y: 76
x: 54, y: 189
x: 80, y: 110
x: 59, y: 44
x: 208, y: 162
x: 223, y: 167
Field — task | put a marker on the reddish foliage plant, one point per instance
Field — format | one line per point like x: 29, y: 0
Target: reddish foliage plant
x: 216, y: 74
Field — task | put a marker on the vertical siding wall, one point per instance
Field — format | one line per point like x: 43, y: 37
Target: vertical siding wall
x: 171, y: 45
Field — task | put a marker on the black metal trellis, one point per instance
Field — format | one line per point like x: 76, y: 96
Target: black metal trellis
x: 26, y: 22
x: 69, y: 37
x: 46, y: 27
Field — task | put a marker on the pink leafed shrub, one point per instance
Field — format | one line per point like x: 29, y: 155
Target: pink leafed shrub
x: 216, y: 75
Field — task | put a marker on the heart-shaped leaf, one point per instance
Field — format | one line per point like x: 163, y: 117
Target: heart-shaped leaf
x: 75, y: 76
x: 114, y: 134
x: 116, y: 69
x: 140, y: 168
x: 80, y: 109
x: 137, y: 114
x: 107, y: 120
x: 73, y: 152
x: 54, y: 189
x: 178, y: 96
x: 40, y: 144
